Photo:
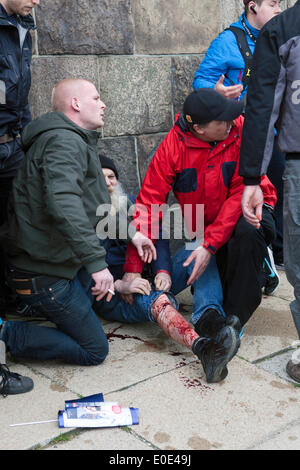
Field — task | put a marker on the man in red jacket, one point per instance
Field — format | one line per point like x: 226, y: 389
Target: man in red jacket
x: 199, y: 160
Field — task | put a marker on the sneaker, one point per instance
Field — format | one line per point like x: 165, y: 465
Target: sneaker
x: 234, y: 322
x: 212, y: 322
x: 13, y: 384
x: 215, y: 354
x: 293, y: 370
x: 271, y: 275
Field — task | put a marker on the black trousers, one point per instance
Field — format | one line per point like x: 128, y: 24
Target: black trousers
x: 240, y: 264
x: 11, y: 157
x: 5, y: 188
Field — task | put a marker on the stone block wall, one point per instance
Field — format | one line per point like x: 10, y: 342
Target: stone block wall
x: 141, y: 55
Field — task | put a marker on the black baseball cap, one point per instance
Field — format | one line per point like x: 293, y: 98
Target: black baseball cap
x: 205, y: 105
x: 108, y: 163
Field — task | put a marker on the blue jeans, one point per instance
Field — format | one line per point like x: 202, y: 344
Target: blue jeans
x: 79, y: 337
x: 139, y: 311
x: 207, y: 289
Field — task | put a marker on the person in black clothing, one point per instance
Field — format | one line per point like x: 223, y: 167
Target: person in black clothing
x: 273, y: 100
x: 15, y: 79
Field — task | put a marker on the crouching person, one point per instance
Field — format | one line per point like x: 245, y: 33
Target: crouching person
x: 147, y: 298
x: 199, y: 159
x: 55, y: 262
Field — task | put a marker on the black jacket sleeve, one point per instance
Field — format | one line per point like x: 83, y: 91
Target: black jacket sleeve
x: 263, y: 105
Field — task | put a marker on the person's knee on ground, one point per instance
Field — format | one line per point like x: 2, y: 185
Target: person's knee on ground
x: 98, y: 357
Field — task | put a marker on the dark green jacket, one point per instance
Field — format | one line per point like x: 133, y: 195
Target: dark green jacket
x: 52, y: 209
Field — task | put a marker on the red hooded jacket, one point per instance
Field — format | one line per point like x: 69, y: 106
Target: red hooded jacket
x: 198, y: 174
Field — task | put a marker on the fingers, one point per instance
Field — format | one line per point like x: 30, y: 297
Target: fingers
x: 165, y: 285
x: 251, y: 216
x: 150, y: 252
x: 252, y: 204
x: 221, y: 80
x: 147, y: 255
x: 201, y: 258
x: 141, y: 290
x: 162, y: 283
x: 103, y: 288
x: 259, y: 211
x: 195, y: 275
x: 145, y: 248
x: 141, y: 286
x: 189, y: 259
x: 103, y: 294
x: 232, y: 92
x: 252, y: 219
x: 229, y: 92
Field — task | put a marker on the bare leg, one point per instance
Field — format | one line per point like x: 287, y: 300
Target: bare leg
x: 172, y: 323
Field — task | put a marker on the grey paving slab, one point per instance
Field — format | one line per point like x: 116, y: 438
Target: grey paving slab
x: 103, y: 439
x: 137, y: 352
x: 255, y: 407
x: 42, y: 403
x: 178, y: 410
x: 270, y: 329
x: 288, y: 439
x: 285, y: 290
x: 276, y: 365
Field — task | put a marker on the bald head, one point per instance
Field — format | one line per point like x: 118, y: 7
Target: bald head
x: 80, y: 101
x: 64, y: 91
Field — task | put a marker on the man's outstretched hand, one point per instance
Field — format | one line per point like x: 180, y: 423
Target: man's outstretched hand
x: 201, y: 256
x: 229, y: 92
x: 145, y: 247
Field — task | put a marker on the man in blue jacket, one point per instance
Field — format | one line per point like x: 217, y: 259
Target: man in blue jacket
x: 226, y: 67
x: 15, y: 57
x: 223, y: 66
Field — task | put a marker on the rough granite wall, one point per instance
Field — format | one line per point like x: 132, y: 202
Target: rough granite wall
x: 142, y: 56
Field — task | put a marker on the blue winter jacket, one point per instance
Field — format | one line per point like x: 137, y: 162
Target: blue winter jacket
x: 224, y: 57
x: 15, y: 78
